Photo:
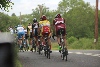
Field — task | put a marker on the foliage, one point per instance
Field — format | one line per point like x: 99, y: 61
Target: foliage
x: 83, y: 43
x: 6, y: 21
x: 5, y: 4
x: 99, y: 21
x: 71, y: 40
x: 79, y: 16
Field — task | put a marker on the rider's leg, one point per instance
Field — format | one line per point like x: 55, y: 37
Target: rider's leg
x: 49, y: 40
x: 19, y: 39
x: 64, y: 37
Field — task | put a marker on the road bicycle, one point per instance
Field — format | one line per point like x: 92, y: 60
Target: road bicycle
x: 46, y: 46
x: 33, y: 44
x: 40, y: 48
x: 64, y: 51
x: 21, y: 46
x: 26, y: 47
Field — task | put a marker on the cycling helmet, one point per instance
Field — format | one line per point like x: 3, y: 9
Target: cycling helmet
x: 58, y: 16
x: 19, y: 25
x: 44, y: 17
x: 34, y: 20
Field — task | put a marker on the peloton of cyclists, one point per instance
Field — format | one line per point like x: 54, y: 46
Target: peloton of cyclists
x: 36, y: 29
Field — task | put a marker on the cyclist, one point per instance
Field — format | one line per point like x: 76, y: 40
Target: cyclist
x: 44, y: 22
x: 21, y: 33
x: 35, y: 27
x: 11, y: 30
x: 26, y: 38
x: 29, y: 33
x: 58, y: 23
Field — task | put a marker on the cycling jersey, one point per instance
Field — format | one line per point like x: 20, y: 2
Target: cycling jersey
x: 20, y: 29
x: 20, y: 32
x: 29, y: 31
x: 45, y: 27
x: 59, y: 23
x: 35, y: 27
x: 11, y: 30
x: 44, y: 23
x: 29, y: 28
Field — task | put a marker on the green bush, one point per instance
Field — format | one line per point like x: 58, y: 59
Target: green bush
x: 84, y: 43
x: 71, y: 39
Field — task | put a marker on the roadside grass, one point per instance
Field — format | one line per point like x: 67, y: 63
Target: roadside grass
x: 54, y: 46
x: 17, y: 62
x: 82, y: 43
x: 85, y: 44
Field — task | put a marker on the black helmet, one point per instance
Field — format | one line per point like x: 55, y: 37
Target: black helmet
x: 34, y: 20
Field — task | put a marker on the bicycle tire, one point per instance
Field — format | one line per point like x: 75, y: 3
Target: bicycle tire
x: 45, y: 52
x: 49, y: 53
x: 39, y: 49
x: 66, y: 54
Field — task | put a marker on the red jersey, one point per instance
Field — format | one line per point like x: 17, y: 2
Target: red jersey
x: 59, y: 23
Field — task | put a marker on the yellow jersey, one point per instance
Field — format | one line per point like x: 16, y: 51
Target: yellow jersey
x: 44, y: 23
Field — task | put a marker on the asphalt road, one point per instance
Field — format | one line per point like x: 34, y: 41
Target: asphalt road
x: 76, y: 58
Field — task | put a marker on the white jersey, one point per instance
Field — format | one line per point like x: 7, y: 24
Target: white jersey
x: 20, y: 29
x: 25, y: 31
x: 11, y: 30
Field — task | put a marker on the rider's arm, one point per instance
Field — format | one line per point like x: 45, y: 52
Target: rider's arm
x: 32, y: 29
x: 39, y: 28
x: 54, y: 27
x: 65, y: 25
x: 27, y: 31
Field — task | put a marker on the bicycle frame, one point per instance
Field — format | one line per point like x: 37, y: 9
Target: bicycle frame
x: 64, y: 51
x: 46, y: 47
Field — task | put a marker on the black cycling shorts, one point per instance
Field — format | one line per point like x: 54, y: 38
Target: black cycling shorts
x: 60, y: 31
x: 35, y: 32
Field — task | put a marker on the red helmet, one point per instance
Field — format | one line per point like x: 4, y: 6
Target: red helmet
x: 58, y: 16
x: 44, y: 17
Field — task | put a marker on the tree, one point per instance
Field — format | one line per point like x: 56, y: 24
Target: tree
x: 79, y: 16
x: 99, y: 21
x: 5, y: 4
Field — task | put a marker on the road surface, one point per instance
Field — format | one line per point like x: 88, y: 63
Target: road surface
x: 76, y: 58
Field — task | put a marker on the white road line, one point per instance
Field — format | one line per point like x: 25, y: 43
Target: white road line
x: 87, y: 53
x: 78, y: 52
x: 96, y: 55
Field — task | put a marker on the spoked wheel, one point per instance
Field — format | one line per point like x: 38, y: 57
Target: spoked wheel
x: 48, y: 53
x: 40, y: 49
x: 45, y: 52
x: 63, y: 56
x: 35, y: 48
x: 21, y: 49
x: 66, y: 53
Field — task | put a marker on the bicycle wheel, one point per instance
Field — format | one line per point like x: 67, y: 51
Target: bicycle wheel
x: 66, y: 55
x: 39, y: 49
x: 49, y: 53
